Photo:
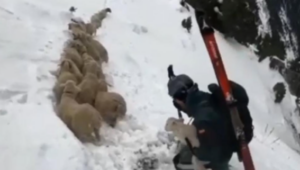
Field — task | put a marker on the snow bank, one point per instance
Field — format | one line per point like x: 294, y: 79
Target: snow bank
x: 142, y: 37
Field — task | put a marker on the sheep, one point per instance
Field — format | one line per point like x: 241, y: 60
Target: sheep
x: 90, y: 47
x: 81, y: 26
x: 72, y: 54
x: 182, y: 131
x: 91, y: 29
x: 82, y: 119
x: 111, y: 105
x: 101, y: 50
x: 90, y: 85
x: 77, y: 45
x: 68, y: 71
x: 68, y: 66
x: 94, y: 47
x: 98, y: 17
x: 77, y: 27
x: 89, y: 64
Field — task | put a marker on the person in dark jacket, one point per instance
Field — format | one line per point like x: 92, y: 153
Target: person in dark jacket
x: 215, y: 133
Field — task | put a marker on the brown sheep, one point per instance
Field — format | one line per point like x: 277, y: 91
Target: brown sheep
x: 101, y: 50
x: 98, y: 17
x: 90, y: 47
x: 111, y: 105
x: 94, y: 47
x: 77, y: 45
x: 89, y: 64
x: 72, y: 54
x: 91, y: 29
x: 78, y: 26
x: 82, y: 119
x: 90, y: 84
x: 68, y: 71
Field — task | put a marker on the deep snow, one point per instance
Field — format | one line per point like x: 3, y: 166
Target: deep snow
x: 143, y: 37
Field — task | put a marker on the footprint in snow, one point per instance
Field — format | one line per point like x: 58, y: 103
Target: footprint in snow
x: 3, y: 112
x: 8, y: 94
x: 139, y: 29
x: 43, y: 150
x: 23, y: 99
x: 146, y: 161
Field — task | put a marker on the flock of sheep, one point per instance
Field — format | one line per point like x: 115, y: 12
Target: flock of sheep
x: 81, y: 91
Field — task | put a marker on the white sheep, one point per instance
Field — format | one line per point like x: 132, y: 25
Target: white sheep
x: 182, y: 132
x: 98, y: 17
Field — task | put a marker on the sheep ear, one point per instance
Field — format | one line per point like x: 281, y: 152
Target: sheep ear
x: 69, y: 65
x: 75, y: 37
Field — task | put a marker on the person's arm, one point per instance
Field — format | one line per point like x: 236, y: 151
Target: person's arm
x: 208, y: 127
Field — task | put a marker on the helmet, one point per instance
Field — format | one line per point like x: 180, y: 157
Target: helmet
x: 178, y: 86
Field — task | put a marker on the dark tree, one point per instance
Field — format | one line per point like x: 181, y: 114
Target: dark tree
x: 279, y: 92
x: 184, y: 5
x: 187, y: 24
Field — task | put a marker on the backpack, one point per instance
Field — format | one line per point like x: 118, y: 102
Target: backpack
x: 242, y: 98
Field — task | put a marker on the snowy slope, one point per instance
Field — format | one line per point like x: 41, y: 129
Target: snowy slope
x: 143, y: 37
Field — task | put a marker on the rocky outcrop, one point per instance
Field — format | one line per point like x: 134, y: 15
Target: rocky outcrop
x: 240, y: 19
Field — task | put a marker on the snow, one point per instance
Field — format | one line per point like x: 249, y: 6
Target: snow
x: 143, y: 37
x: 264, y: 28
x: 288, y: 37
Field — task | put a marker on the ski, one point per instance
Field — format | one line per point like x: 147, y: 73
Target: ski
x: 207, y: 33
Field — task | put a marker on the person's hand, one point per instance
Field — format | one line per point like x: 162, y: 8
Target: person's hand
x: 181, y: 120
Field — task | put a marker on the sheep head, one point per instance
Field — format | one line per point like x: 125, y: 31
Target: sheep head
x: 92, y: 68
x: 172, y: 124
x: 70, y: 88
x: 78, y: 46
x: 108, y: 10
x: 87, y: 58
x: 73, y: 25
x: 67, y: 65
x: 82, y: 36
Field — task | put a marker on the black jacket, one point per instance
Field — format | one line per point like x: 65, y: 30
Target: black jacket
x: 212, y: 128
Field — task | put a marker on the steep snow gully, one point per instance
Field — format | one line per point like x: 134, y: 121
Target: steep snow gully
x: 143, y: 37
